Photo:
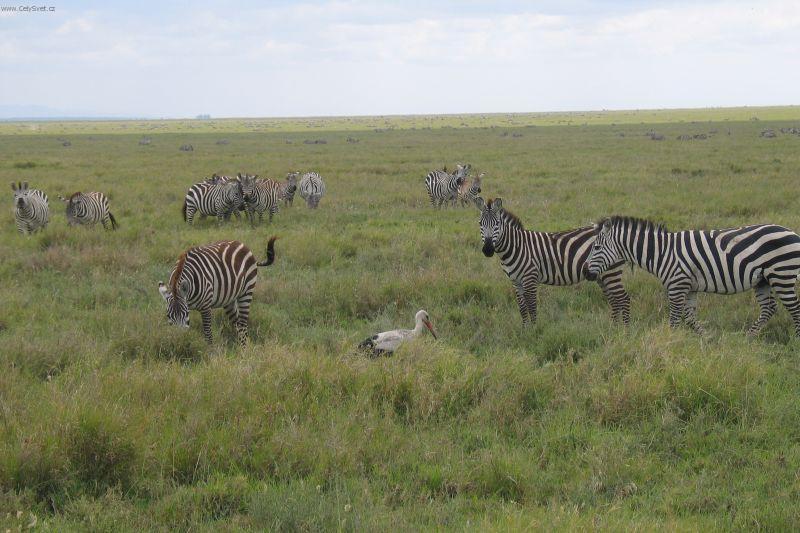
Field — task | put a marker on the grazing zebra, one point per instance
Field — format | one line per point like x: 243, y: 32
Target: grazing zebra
x: 531, y: 258
x: 89, y: 209
x: 443, y: 187
x: 31, y: 210
x: 312, y: 188
x: 468, y: 194
x: 762, y: 257
x: 264, y: 195
x: 220, y: 196
x: 222, y: 274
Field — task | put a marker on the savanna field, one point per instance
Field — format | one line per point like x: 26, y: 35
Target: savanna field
x: 113, y: 420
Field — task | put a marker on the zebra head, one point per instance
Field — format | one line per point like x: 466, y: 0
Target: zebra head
x: 475, y: 188
x: 76, y: 207
x: 233, y: 193
x: 177, y: 308
x: 20, y: 194
x: 461, y: 173
x: 491, y: 223
x: 248, y: 183
x: 605, y: 250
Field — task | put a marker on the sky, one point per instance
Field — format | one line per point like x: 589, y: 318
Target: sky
x: 342, y: 57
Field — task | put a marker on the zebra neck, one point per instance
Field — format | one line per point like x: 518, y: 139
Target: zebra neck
x: 510, y: 231
x: 649, y: 249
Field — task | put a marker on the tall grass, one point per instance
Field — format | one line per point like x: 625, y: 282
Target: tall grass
x: 112, y: 420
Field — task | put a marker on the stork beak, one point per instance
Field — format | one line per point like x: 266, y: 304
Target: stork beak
x: 430, y: 327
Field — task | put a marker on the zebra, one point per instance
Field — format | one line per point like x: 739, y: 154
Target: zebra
x: 264, y: 195
x: 222, y: 274
x: 291, y: 181
x: 31, y: 210
x: 443, y: 186
x: 762, y: 257
x: 531, y: 258
x: 312, y: 188
x: 468, y: 194
x: 217, y: 197
x: 89, y: 209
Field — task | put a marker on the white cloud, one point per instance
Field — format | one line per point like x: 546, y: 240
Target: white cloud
x: 382, y: 58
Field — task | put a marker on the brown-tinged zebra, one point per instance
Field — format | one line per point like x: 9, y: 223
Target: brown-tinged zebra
x: 222, y: 274
x: 532, y: 258
x: 467, y: 193
x: 31, y: 210
x: 89, y: 209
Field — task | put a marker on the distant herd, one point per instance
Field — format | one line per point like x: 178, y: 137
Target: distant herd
x: 763, y: 257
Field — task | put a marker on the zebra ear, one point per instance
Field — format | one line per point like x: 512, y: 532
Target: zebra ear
x: 13, y: 186
x: 479, y: 202
x: 25, y: 185
x: 607, y: 225
x: 162, y: 289
x: 497, y: 205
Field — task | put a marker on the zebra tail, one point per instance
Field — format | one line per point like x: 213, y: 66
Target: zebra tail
x: 270, y: 252
x: 114, y: 224
x: 184, y: 210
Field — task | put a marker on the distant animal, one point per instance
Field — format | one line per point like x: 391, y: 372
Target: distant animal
x: 443, y: 187
x: 468, y: 193
x: 31, y: 210
x: 533, y: 258
x: 222, y: 274
x: 312, y: 189
x: 388, y: 341
x: 762, y: 257
x: 264, y: 195
x: 218, y: 196
x: 89, y: 209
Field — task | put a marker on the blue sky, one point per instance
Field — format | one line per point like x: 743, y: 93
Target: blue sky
x: 341, y: 57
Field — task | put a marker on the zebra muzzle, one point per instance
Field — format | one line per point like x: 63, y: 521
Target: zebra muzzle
x: 488, y: 248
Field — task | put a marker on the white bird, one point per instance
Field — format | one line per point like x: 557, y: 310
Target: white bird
x: 388, y: 341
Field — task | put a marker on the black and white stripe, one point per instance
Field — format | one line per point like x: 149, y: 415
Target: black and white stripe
x: 31, y: 210
x: 288, y: 196
x: 312, y: 189
x: 468, y: 193
x: 532, y: 258
x: 219, y: 196
x: 222, y: 274
x: 262, y: 195
x: 89, y: 209
x: 443, y: 187
x: 762, y: 257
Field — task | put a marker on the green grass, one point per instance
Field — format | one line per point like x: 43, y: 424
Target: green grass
x: 112, y: 420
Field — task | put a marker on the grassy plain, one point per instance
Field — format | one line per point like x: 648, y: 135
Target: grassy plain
x: 112, y: 420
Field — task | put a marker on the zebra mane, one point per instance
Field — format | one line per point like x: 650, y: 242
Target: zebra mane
x: 74, y: 195
x: 512, y: 218
x: 638, y: 223
x: 176, y: 275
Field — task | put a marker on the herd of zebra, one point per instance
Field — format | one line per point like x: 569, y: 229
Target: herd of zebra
x: 763, y: 257
x: 221, y: 196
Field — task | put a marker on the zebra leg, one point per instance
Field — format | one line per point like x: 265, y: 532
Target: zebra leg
x: 690, y: 313
x: 784, y: 290
x: 243, y: 317
x: 232, y: 312
x: 530, y: 287
x: 677, y: 302
x: 519, y: 292
x: 616, y: 295
x: 767, y: 307
x: 206, y: 316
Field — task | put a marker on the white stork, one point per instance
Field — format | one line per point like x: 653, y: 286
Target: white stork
x: 388, y: 341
